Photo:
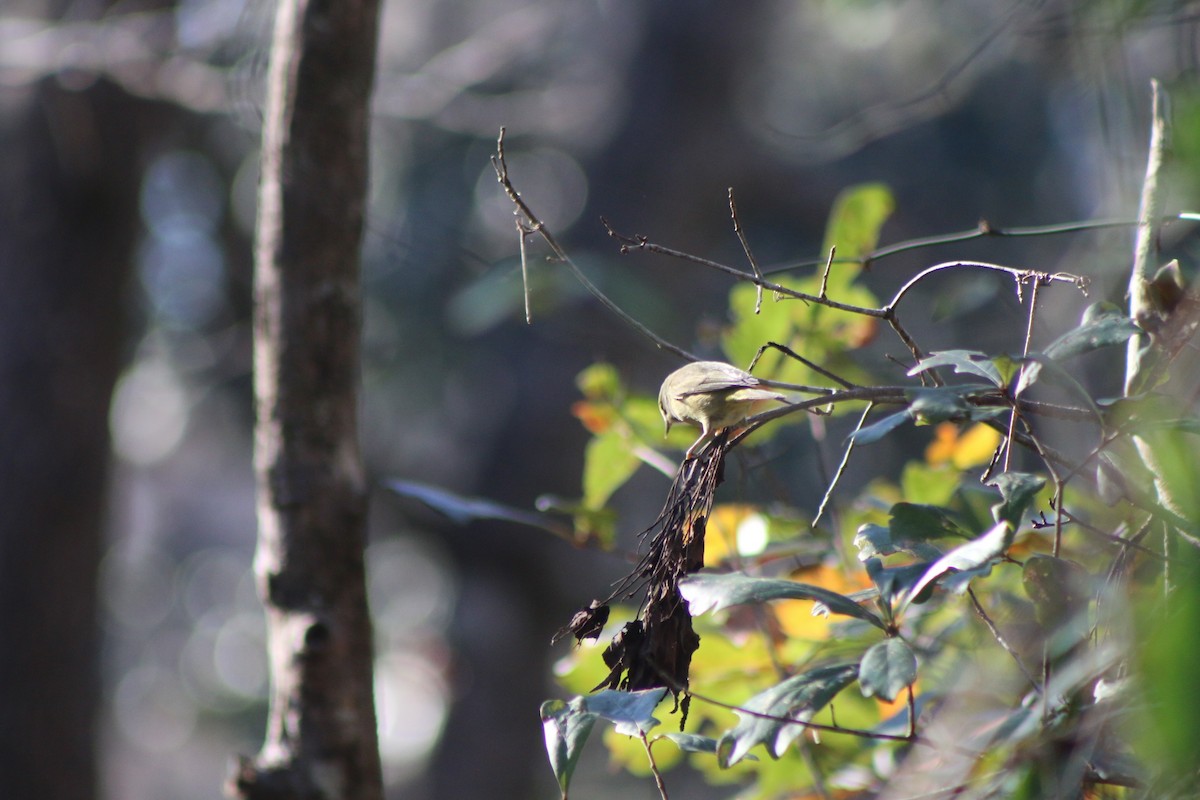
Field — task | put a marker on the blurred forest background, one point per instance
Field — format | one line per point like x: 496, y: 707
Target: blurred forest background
x: 128, y: 164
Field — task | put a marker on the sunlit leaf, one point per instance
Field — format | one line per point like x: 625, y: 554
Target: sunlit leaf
x: 910, y: 527
x: 797, y: 698
x: 857, y: 216
x: 693, y: 743
x: 599, y: 382
x: 1039, y: 366
x: 896, y: 583
x: 1104, y: 325
x: 607, y: 465
x: 971, y: 555
x: 566, y: 727
x: 970, y: 362
x: 931, y: 406
x: 1018, y: 490
x: 820, y: 334
x: 873, y: 541
x: 877, y: 430
x: 970, y: 448
x: 707, y: 592
x: 632, y: 712
x: 886, y: 669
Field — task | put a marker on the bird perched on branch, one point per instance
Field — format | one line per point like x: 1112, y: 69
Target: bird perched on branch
x: 711, y: 395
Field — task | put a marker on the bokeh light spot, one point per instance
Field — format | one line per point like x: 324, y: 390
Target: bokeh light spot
x: 149, y: 413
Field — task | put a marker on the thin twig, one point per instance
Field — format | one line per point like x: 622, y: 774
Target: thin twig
x: 841, y: 469
x: 999, y: 637
x: 1069, y: 519
x: 809, y: 724
x: 658, y: 778
x: 737, y: 229
x: 1012, y: 417
x: 825, y: 273
x: 984, y: 230
x: 522, y: 233
x: 1059, y: 487
x: 787, y: 351
x: 535, y: 225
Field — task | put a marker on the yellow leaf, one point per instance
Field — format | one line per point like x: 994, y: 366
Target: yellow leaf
x: 796, y: 617
x: 721, y: 532
x: 971, y: 448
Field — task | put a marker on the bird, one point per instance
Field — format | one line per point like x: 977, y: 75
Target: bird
x: 711, y: 395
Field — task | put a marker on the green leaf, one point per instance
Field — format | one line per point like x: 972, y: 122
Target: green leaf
x: 633, y: 712
x: 1018, y: 490
x: 798, y: 698
x: 886, y: 669
x: 820, y: 334
x: 967, y: 362
x: 566, y: 727
x: 694, y: 743
x: 607, y: 465
x: 599, y: 382
x: 1037, y: 363
x: 1103, y: 326
x: 897, y: 582
x: 877, y: 430
x: 1166, y: 651
x: 691, y: 742
x: 874, y: 541
x: 857, y: 216
x: 970, y: 556
x: 909, y: 528
x: 708, y: 591
x: 914, y: 522
x: 944, y: 404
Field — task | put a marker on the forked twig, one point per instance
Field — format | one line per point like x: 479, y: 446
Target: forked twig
x: 535, y: 225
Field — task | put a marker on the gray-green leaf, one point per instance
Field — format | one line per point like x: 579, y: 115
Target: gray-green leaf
x: 764, y: 719
x: 707, y: 591
x: 886, y: 668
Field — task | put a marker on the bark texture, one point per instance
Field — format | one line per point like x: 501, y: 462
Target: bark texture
x: 321, y: 731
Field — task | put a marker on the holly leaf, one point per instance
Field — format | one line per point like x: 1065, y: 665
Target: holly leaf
x: 972, y: 555
x: 566, y: 726
x: 705, y: 592
x: 764, y: 718
x: 886, y: 668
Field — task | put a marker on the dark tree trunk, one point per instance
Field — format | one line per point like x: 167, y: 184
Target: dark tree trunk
x: 68, y: 215
x: 321, y: 734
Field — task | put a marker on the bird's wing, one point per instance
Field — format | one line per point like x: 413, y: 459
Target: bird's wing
x: 715, y: 386
x: 722, y: 380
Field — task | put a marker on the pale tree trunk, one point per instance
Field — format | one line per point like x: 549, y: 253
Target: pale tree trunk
x: 321, y: 733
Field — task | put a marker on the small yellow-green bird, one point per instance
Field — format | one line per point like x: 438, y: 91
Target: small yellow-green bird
x: 711, y: 395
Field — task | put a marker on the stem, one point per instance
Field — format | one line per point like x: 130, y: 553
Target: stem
x: 658, y: 778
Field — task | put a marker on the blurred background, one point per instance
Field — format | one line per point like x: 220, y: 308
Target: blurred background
x: 128, y: 168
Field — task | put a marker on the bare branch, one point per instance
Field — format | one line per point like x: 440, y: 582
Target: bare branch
x: 737, y: 228
x: 535, y: 225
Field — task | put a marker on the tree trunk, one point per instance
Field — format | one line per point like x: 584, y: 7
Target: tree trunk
x: 321, y: 731
x: 68, y: 215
